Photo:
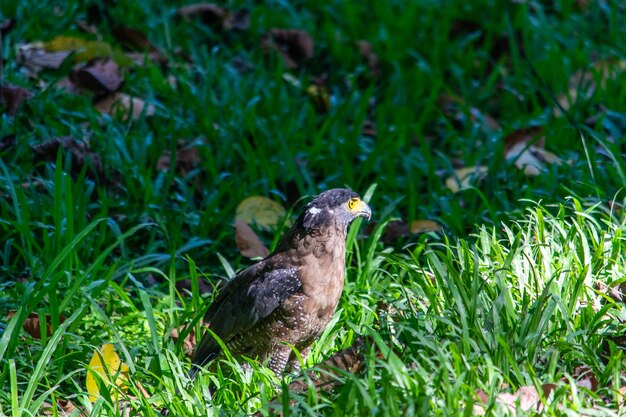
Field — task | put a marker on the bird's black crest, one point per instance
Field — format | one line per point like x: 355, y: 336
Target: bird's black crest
x: 332, y: 198
x: 317, y: 211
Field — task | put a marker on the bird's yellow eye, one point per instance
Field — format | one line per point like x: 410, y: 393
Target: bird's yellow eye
x: 352, y: 203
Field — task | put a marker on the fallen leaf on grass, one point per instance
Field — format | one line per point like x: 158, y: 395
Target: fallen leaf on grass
x: 106, y: 366
x: 190, y: 341
x: 584, y: 83
x: 11, y: 96
x: 262, y: 211
x: 132, y: 38
x: 615, y: 291
x: 621, y: 398
x: 87, y: 27
x: 32, y: 325
x: 51, y: 55
x: 64, y: 408
x: 463, y: 178
x: 526, y: 148
x: 216, y: 16
x: 317, y: 92
x: 239, y: 20
x: 320, y: 96
x: 294, y: 46
x: 248, y: 243
x: 100, y: 77
x: 125, y: 105
x: 585, y: 378
x: 137, y: 40
x: 187, y: 159
x: 526, y: 398
x: 85, y: 50
x: 35, y: 57
x: 80, y: 155
x: 424, y: 226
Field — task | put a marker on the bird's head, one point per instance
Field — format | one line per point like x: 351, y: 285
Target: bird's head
x: 336, y: 207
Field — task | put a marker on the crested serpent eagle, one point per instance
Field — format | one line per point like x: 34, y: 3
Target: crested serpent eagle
x: 289, y: 297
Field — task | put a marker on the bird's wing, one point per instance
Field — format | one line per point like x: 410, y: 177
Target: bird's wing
x: 250, y: 297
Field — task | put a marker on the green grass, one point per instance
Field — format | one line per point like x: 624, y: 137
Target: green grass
x: 510, y: 294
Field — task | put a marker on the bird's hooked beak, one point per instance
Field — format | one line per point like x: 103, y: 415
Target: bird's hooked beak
x: 360, y: 208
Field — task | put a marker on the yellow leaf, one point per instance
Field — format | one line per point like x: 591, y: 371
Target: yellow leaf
x: 112, y: 367
x: 262, y: 211
x: 320, y: 97
x: 85, y: 50
x: 462, y: 178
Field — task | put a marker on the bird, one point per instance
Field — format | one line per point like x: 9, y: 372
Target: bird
x: 288, y: 298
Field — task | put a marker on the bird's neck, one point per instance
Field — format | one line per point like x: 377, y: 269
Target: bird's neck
x: 323, y: 241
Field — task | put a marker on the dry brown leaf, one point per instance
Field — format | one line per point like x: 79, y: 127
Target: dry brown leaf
x: 189, y: 344
x: 11, y: 96
x: 262, y: 211
x: 187, y: 159
x: 32, y: 325
x: 127, y: 106
x: 100, y: 77
x: 526, y: 398
x: 294, y: 46
x: 622, y: 398
x: 526, y: 148
x: 248, y: 243
x: 584, y: 83
x: 80, y: 154
x: 463, y: 178
x: 132, y: 38
x: 370, y: 57
x: 64, y: 408
x: 87, y: 27
x: 616, y: 292
x: 216, y: 16
x: 40, y: 55
x: 239, y: 20
x: 210, y: 13
x: 585, y: 378
x: 36, y: 57
x: 138, y: 41
x: 424, y: 226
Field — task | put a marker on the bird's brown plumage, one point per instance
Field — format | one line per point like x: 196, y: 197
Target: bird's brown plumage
x: 289, y: 297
